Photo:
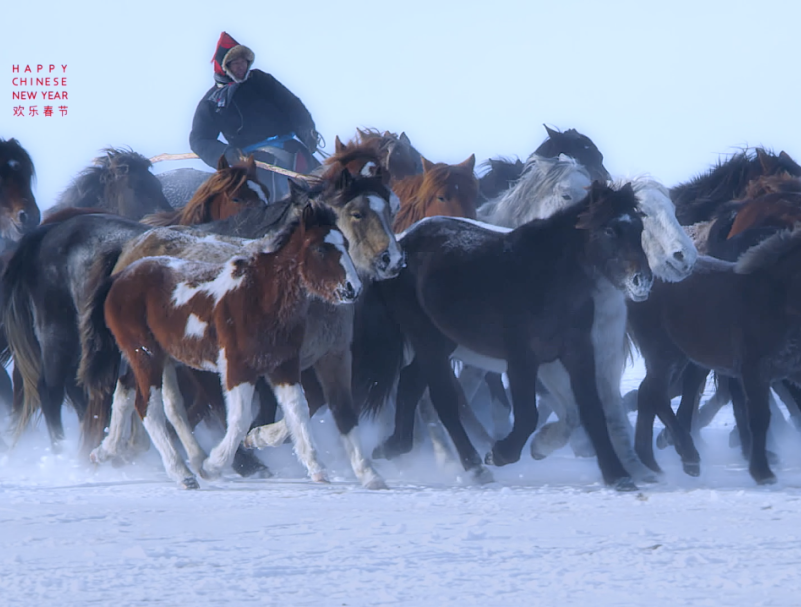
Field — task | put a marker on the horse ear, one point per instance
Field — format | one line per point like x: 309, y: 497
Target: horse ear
x: 344, y: 180
x: 764, y: 159
x: 362, y: 134
x: 222, y: 163
x: 551, y: 133
x: 338, y: 145
x: 470, y: 163
x: 404, y: 139
x: 250, y: 163
x: 427, y: 164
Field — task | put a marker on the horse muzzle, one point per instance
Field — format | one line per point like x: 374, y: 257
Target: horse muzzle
x: 349, y: 292
x: 638, y: 286
x: 390, y: 263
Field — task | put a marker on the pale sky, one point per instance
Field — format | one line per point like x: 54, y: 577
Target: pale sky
x: 660, y: 87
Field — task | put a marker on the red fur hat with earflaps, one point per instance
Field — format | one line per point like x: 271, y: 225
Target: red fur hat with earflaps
x: 229, y: 49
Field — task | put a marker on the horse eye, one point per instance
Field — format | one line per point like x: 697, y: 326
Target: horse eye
x: 567, y: 196
x: 610, y: 231
x: 237, y: 200
x: 357, y: 215
x: 320, y: 250
x: 441, y: 198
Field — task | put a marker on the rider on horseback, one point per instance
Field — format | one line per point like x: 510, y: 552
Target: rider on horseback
x: 256, y: 114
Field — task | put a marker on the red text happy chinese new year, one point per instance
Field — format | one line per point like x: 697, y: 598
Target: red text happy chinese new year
x: 33, y: 83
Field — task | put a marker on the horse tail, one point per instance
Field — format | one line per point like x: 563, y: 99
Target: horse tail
x: 378, y: 354
x: 100, y: 357
x: 19, y: 325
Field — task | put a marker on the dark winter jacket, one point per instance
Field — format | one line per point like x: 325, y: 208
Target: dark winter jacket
x: 260, y: 107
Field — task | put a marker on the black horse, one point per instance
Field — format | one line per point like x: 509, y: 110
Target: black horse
x: 523, y: 296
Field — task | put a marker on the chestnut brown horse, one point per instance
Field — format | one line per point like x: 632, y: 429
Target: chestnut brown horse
x: 224, y: 194
x: 244, y: 319
x: 441, y: 190
x: 741, y: 320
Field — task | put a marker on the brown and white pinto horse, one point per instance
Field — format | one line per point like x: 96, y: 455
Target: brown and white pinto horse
x: 442, y: 189
x: 224, y: 194
x: 243, y: 319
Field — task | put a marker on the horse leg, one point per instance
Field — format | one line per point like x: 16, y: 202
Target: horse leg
x: 522, y: 370
x: 742, y: 429
x: 445, y: 395
x: 690, y: 459
x: 238, y: 414
x: 334, y: 373
x: 693, y: 380
x: 51, y: 392
x: 790, y: 394
x: 579, y: 362
x: 501, y: 405
x: 559, y: 398
x: 176, y: 414
x: 720, y: 398
x: 427, y: 418
x: 411, y: 386
x: 758, y: 411
x: 155, y: 423
x: 122, y: 407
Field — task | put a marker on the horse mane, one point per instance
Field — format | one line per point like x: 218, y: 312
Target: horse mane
x: 198, y: 210
x: 309, y: 216
x: 66, y: 213
x: 641, y: 182
x: 416, y: 191
x: 726, y: 180
x: 86, y: 190
x: 768, y: 252
x: 522, y: 201
x: 781, y: 183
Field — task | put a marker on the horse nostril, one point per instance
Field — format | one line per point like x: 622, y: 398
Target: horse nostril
x: 636, y: 280
x: 22, y: 217
x: 350, y: 291
x: 385, y: 259
x: 678, y: 256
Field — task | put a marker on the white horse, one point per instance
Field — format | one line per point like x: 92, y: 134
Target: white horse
x: 671, y: 255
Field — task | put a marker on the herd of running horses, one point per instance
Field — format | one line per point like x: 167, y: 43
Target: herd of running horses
x: 152, y: 303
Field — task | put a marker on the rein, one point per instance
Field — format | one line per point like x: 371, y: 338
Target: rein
x: 260, y: 164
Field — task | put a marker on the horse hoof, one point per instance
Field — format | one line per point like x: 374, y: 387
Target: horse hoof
x: 481, y: 475
x: 649, y: 478
x: 767, y: 480
x: 496, y: 457
x: 692, y: 468
x: 664, y: 440
x: 208, y: 474
x: 625, y: 484
x: 97, y: 456
x: 534, y: 453
x: 376, y: 484
x: 320, y: 477
x: 190, y: 482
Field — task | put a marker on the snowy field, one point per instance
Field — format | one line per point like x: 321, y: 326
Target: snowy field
x: 545, y: 533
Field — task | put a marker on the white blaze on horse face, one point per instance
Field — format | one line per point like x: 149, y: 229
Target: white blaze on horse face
x: 379, y: 205
x: 394, y: 203
x: 223, y: 283
x: 336, y: 238
x: 13, y: 164
x: 259, y: 189
x: 368, y: 170
x: 195, y: 327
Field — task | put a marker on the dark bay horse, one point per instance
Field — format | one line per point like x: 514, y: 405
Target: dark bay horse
x: 696, y: 200
x: 441, y: 189
x: 19, y: 213
x: 244, y: 319
x: 522, y: 296
x: 48, y: 274
x: 119, y: 182
x: 741, y: 320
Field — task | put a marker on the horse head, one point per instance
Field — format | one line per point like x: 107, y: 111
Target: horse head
x: 19, y: 213
x: 365, y: 209
x: 613, y: 241
x: 442, y: 190
x: 578, y: 146
x: 128, y: 186
x: 320, y: 252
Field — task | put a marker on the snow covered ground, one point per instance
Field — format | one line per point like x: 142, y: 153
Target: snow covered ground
x: 546, y: 533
